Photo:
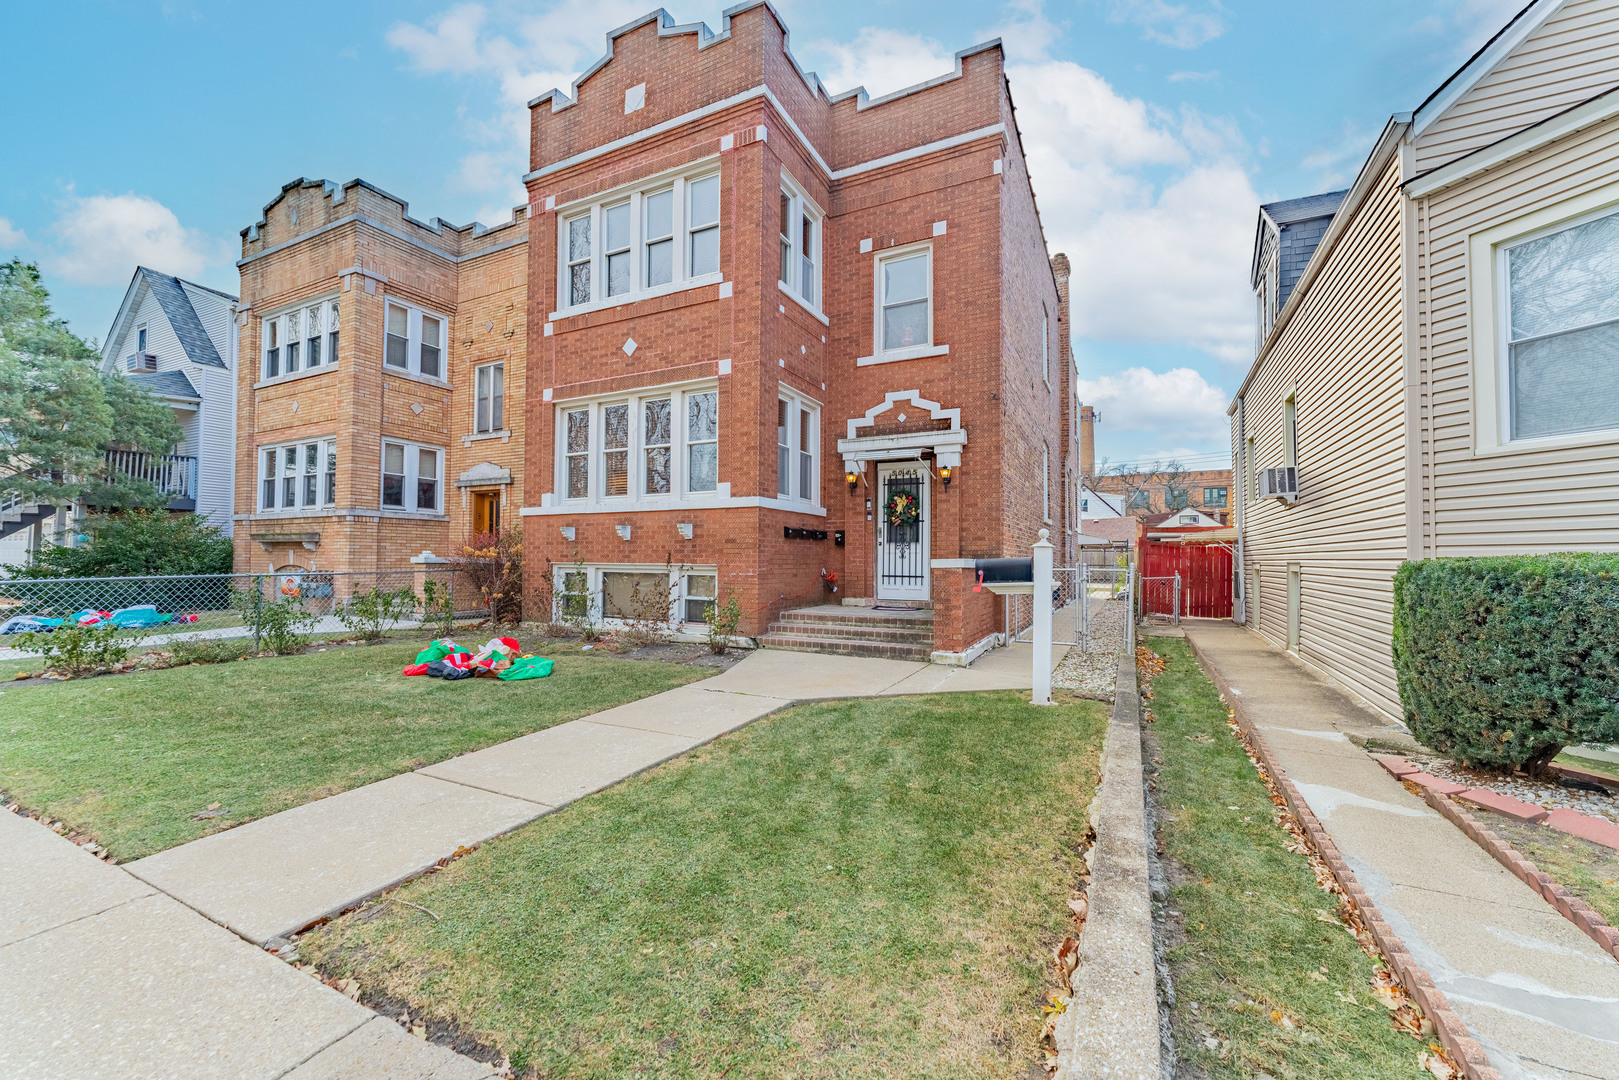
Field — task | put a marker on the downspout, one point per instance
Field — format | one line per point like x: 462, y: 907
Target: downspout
x: 1239, y: 596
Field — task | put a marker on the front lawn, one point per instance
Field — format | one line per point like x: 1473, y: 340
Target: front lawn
x: 130, y: 759
x: 1267, y: 980
x: 865, y: 888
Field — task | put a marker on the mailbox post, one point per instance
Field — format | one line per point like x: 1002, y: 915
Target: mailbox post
x: 1042, y: 619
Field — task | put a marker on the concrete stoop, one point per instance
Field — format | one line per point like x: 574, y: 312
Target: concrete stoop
x: 890, y: 634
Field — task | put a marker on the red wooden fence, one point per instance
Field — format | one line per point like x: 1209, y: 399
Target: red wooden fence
x: 1205, y: 570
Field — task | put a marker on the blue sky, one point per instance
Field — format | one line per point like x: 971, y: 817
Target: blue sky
x: 154, y: 131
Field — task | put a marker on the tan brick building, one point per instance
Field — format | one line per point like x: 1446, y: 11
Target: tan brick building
x: 756, y: 316
x: 744, y: 292
x: 380, y: 405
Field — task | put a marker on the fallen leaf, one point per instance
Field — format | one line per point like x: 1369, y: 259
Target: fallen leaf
x: 1067, y: 956
x: 1080, y: 907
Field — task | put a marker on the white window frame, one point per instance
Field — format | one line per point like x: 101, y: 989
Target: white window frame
x: 912, y: 352
x: 799, y: 409
x: 679, y: 586
x: 1045, y: 481
x: 412, y: 475
x: 679, y: 396
x: 1045, y: 344
x: 325, y: 497
x: 413, y: 342
x: 481, y: 374
x: 676, y: 181
x: 801, y: 211
x: 1290, y: 430
x: 327, y: 307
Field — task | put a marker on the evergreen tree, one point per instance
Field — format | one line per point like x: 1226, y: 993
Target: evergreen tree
x: 60, y: 415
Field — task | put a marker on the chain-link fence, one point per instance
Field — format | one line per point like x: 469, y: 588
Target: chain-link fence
x: 157, y: 610
x: 1075, y: 592
x: 1161, y: 598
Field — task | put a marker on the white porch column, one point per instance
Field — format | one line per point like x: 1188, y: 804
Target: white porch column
x: 1042, y: 619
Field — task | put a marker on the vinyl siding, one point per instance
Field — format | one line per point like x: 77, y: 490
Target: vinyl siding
x: 216, y: 444
x: 1535, y: 500
x: 1574, y: 55
x: 1342, y: 356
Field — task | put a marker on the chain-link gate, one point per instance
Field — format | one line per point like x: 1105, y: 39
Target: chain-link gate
x: 1161, y: 598
x: 1074, y: 589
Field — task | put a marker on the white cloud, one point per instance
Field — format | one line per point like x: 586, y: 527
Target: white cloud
x: 1178, y: 405
x: 11, y: 237
x: 1193, y: 76
x: 883, y: 61
x: 1336, y: 164
x: 1175, y: 25
x: 100, y: 239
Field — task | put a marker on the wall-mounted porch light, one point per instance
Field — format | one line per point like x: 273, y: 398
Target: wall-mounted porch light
x: 852, y: 478
x: 944, y: 474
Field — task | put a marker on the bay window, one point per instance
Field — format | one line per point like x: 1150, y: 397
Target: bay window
x: 654, y: 445
x: 300, y: 339
x: 800, y: 226
x: 411, y: 476
x: 298, y: 476
x: 661, y: 236
x: 413, y: 341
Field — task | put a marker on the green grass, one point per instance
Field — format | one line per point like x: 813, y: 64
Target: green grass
x: 1251, y: 915
x: 851, y: 889
x: 1589, y: 871
x: 130, y: 759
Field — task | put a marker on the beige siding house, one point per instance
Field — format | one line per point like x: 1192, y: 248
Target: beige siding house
x: 1443, y: 372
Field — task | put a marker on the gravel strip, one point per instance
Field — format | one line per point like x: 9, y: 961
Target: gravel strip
x: 1094, y: 673
x: 1550, y: 794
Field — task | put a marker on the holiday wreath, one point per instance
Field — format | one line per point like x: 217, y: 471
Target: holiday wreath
x: 901, y: 509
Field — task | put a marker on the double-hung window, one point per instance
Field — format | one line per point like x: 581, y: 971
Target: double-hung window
x: 661, y: 235
x: 1045, y: 344
x: 411, y: 476
x: 1562, y: 330
x: 298, y: 476
x: 303, y: 338
x: 489, y: 408
x: 797, y: 440
x: 656, y: 445
x: 413, y: 341
x: 1214, y: 497
x: 698, y: 592
x: 800, y: 228
x: 905, y: 301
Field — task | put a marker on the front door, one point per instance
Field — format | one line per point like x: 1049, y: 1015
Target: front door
x: 903, y: 564
x: 486, y: 511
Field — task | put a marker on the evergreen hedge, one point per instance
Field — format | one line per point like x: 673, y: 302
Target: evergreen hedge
x: 1503, y: 661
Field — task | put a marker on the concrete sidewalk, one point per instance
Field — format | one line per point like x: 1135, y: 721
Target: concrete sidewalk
x: 102, y: 977
x: 272, y: 877
x: 1538, y: 995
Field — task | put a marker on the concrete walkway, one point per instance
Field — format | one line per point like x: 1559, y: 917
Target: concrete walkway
x: 111, y: 972
x: 1538, y: 995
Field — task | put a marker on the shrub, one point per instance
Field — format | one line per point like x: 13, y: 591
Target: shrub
x: 371, y: 614
x: 78, y: 650
x: 137, y: 544
x: 723, y: 620
x: 275, y: 624
x: 493, y: 562
x: 438, y: 608
x: 1503, y: 661
x: 207, y: 651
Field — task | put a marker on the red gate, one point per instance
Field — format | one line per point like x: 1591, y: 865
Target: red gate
x: 1204, y: 567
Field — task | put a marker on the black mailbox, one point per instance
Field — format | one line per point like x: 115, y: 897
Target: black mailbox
x: 1004, y: 571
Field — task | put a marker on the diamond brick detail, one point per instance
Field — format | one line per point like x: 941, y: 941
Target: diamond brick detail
x: 629, y: 347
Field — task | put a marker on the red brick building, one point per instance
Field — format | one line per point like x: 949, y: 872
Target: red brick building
x: 757, y: 313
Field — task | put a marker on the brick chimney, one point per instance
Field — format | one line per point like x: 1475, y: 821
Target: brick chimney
x: 1087, y: 442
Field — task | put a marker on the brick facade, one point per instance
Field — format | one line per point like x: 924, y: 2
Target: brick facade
x: 936, y: 169
x: 359, y: 245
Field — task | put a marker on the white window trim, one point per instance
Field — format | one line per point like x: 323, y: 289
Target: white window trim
x: 412, y: 466
x: 915, y: 352
x: 677, y: 180
x: 492, y: 431
x: 803, y: 206
x: 1045, y: 344
x: 328, y: 447
x: 1290, y: 430
x: 677, y: 584
x: 413, y: 342
x: 1488, y: 314
x: 1045, y: 481
x: 678, y: 464
x: 328, y: 360
x: 796, y: 405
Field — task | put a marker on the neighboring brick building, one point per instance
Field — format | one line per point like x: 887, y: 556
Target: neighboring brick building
x: 380, y: 398
x: 742, y: 291
x: 1154, y: 491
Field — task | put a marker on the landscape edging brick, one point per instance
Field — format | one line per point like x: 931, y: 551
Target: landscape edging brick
x: 1449, y: 1027
x: 1565, y: 903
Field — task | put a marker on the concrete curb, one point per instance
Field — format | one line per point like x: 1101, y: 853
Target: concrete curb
x: 1571, y: 907
x: 1111, y: 1026
x: 1450, y: 1028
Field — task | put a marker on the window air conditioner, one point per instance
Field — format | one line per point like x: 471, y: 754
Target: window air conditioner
x: 1282, y: 483
x: 142, y: 361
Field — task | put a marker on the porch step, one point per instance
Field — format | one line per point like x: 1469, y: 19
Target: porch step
x: 894, y: 635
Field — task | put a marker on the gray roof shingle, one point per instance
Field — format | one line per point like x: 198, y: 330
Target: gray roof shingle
x: 165, y: 384
x: 171, y: 296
